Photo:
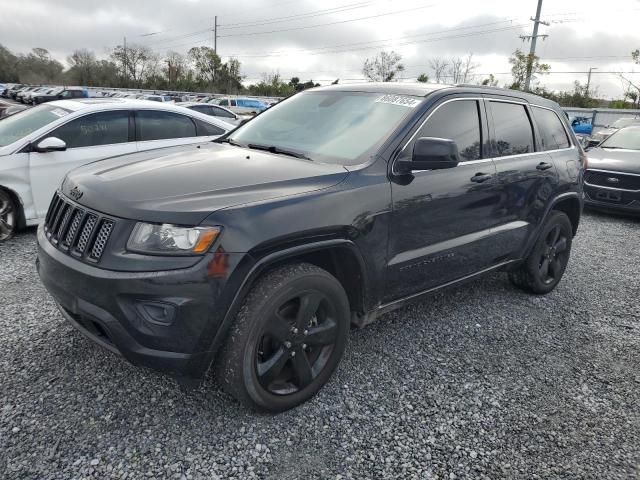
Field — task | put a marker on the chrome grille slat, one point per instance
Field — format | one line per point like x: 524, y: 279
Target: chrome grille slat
x: 73, y: 228
x: 101, y: 239
x: 77, y: 231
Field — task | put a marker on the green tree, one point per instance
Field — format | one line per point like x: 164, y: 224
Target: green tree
x: 8, y: 65
x: 423, y: 78
x: 519, y: 62
x: 491, y: 81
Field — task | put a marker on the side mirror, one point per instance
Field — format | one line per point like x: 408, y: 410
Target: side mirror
x: 50, y: 144
x: 430, y: 154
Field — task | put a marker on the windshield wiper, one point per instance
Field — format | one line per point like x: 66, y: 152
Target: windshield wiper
x: 277, y: 150
x: 229, y: 141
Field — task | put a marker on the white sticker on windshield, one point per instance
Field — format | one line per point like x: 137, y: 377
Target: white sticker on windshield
x: 58, y: 112
x: 401, y: 100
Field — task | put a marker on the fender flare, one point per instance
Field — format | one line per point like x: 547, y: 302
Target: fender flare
x: 258, y: 268
x: 557, y: 199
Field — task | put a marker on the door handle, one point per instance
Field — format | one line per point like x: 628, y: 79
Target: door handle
x: 480, y: 177
x: 543, y: 166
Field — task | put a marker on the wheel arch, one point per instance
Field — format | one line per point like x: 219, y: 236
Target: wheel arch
x: 571, y: 206
x: 19, y: 205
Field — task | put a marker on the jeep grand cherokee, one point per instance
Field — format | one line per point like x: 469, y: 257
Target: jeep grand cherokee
x: 254, y: 254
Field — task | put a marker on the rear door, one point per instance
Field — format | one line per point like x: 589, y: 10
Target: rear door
x: 159, y: 129
x: 89, y: 138
x: 526, y: 174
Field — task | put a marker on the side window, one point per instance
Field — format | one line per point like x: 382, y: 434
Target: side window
x: 224, y: 102
x: 77, y: 94
x: 206, y: 129
x: 157, y: 125
x: 221, y: 112
x: 553, y: 136
x: 66, y: 94
x: 513, y: 133
x: 458, y: 121
x: 233, y: 103
x: 103, y: 128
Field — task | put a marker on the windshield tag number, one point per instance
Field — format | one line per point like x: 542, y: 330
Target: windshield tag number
x: 399, y: 100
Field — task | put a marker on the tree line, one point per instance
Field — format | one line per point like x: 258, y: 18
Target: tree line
x: 388, y: 67
x: 201, y: 69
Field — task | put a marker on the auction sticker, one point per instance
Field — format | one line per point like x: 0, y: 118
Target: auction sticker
x: 58, y: 112
x: 401, y: 100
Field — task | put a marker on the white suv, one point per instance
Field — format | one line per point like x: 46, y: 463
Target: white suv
x: 40, y: 145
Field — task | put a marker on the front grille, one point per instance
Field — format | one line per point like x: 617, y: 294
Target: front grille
x: 77, y: 231
x: 605, y: 179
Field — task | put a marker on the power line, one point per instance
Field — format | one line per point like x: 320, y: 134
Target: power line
x: 316, y: 13
x: 329, y: 23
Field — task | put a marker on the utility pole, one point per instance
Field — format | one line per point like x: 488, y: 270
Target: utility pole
x: 124, y: 61
x: 215, y: 34
x: 533, y: 37
x: 589, y: 79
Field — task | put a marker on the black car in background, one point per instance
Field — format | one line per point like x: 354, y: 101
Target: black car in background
x: 612, y: 179
x: 254, y: 255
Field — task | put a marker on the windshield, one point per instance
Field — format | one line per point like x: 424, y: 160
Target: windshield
x: 626, y: 138
x: 330, y: 126
x: 21, y: 124
x: 624, y: 122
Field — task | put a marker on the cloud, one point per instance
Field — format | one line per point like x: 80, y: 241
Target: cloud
x: 324, y: 43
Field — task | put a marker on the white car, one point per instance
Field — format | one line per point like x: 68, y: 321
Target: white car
x: 158, y: 98
x: 40, y: 145
x: 245, y: 106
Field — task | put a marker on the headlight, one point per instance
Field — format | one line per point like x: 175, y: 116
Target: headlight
x: 168, y: 239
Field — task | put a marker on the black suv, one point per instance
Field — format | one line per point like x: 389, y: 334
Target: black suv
x: 255, y: 254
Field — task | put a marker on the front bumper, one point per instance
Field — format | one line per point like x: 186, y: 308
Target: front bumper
x: 607, y: 198
x: 165, y: 320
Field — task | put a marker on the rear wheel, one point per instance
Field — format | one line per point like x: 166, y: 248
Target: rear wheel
x: 543, y: 269
x: 8, y: 216
x: 287, y: 339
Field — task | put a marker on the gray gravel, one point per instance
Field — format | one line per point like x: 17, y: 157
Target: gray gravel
x: 481, y: 381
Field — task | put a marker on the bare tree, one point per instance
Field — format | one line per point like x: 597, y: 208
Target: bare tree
x: 439, y: 66
x: 175, y: 67
x: 383, y: 67
x: 461, y: 69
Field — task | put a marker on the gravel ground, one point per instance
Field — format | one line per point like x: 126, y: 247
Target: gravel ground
x: 481, y: 381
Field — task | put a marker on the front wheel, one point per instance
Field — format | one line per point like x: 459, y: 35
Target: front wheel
x: 8, y: 216
x: 287, y: 339
x: 543, y: 269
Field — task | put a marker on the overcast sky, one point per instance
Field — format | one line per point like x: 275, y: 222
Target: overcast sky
x: 329, y: 39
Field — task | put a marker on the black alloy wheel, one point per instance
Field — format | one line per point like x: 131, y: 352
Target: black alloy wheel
x: 553, y: 257
x: 545, y: 266
x: 289, y: 335
x: 8, y: 216
x: 296, y: 343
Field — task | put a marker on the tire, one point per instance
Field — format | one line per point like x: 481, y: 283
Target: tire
x: 9, y: 216
x: 543, y: 269
x: 279, y: 354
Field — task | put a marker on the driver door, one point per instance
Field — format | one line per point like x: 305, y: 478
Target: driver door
x: 95, y: 136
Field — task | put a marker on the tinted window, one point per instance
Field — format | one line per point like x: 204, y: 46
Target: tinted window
x: 458, y: 121
x: 552, y: 134
x: 162, y: 125
x: 224, y: 102
x: 200, y: 108
x: 221, y: 112
x: 103, y: 128
x: 513, y: 133
x: 205, y: 129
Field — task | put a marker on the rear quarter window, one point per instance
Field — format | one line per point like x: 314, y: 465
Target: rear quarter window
x: 513, y: 134
x: 553, y: 136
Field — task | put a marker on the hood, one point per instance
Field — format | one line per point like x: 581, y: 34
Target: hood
x: 614, y: 159
x: 183, y: 185
x: 605, y: 132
